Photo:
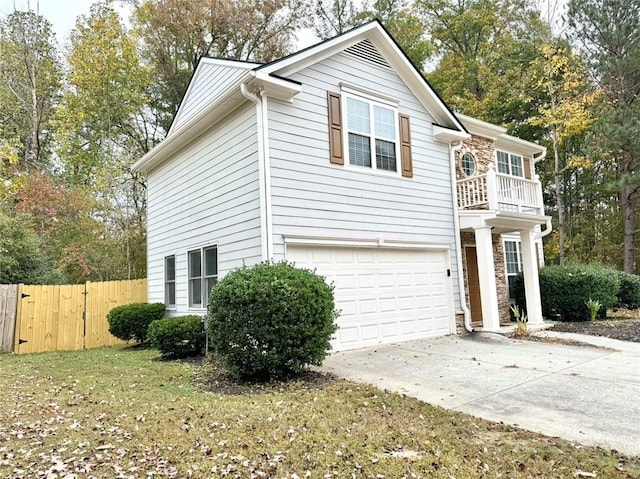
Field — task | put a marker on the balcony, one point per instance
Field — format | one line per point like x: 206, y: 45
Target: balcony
x: 500, y: 192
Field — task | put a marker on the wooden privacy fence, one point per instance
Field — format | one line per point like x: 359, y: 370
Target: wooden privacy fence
x: 65, y: 317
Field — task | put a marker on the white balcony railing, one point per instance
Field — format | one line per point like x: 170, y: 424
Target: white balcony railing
x: 497, y: 191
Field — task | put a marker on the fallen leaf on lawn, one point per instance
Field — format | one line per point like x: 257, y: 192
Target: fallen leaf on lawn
x: 584, y: 474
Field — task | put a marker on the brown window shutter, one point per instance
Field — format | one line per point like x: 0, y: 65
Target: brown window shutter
x: 527, y: 168
x: 405, y: 146
x: 336, y: 151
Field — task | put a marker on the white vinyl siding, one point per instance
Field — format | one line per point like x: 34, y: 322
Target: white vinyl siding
x: 207, y: 194
x: 312, y: 197
x: 208, y: 82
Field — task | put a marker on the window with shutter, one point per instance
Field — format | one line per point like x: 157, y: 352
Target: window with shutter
x: 368, y: 134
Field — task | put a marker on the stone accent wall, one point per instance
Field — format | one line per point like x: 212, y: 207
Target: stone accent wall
x: 502, y: 285
x: 482, y: 149
x: 468, y: 238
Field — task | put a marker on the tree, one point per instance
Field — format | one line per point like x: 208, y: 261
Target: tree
x: 30, y: 76
x: 486, y: 49
x: 333, y: 17
x: 567, y: 115
x: 21, y: 258
x: 609, y: 30
x: 177, y: 33
x: 107, y: 90
x: 406, y: 27
x: 103, y: 126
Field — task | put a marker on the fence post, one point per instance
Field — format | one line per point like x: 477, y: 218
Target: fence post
x: 84, y: 317
x: 8, y: 309
x: 16, y: 332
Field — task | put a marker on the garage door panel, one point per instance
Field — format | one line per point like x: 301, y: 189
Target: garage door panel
x: 384, y: 295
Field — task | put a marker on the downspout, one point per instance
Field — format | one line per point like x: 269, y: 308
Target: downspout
x: 548, y: 225
x: 267, y: 172
x: 262, y: 172
x: 456, y: 224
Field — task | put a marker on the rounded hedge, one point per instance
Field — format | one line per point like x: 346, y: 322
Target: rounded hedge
x: 271, y: 320
x: 564, y: 290
x: 629, y: 293
x: 131, y: 321
x: 177, y: 337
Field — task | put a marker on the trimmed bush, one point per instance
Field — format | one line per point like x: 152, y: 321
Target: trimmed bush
x: 131, y: 321
x: 565, y: 290
x: 177, y: 337
x: 271, y: 320
x: 629, y: 293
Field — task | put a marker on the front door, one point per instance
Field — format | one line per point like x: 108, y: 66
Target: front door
x: 473, y: 281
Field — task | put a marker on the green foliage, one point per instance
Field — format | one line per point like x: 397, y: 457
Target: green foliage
x: 271, y: 320
x: 629, y: 293
x: 594, y: 308
x: 21, y: 258
x: 565, y: 290
x: 131, y: 321
x: 177, y: 337
x: 30, y: 79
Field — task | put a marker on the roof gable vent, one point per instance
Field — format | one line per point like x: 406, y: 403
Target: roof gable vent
x: 365, y: 50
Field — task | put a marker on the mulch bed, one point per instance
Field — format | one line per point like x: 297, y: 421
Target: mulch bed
x: 615, y: 328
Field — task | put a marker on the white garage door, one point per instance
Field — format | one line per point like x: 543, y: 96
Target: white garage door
x: 386, y: 295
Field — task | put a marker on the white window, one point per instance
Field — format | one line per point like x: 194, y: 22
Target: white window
x: 468, y: 164
x: 202, y: 275
x: 510, y: 164
x: 372, y: 134
x: 170, y: 281
x: 513, y: 263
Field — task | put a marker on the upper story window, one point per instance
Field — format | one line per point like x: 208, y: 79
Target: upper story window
x: 170, y: 281
x: 202, y: 275
x: 510, y: 164
x: 468, y: 164
x: 372, y: 133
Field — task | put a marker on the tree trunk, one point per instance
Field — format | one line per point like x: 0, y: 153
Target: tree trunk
x: 559, y: 200
x: 627, y: 202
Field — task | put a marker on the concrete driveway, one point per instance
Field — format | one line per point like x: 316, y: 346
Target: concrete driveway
x: 586, y: 394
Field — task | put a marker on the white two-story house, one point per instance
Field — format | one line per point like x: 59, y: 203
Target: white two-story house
x: 342, y: 158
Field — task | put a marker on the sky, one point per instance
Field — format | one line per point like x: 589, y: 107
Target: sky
x: 63, y: 13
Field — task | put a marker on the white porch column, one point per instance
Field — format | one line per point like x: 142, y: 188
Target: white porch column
x: 487, y: 277
x: 530, y: 273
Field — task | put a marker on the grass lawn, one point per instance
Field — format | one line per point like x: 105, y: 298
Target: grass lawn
x: 120, y: 412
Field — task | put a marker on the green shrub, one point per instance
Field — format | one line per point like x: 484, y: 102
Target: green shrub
x: 271, y: 320
x: 565, y: 290
x: 177, y: 337
x: 629, y: 292
x: 132, y: 321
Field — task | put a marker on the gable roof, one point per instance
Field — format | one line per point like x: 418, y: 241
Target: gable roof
x: 234, y: 67
x: 273, y: 78
x: 379, y: 37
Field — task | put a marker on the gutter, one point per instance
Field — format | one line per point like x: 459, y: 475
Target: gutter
x: 266, y: 225
x: 456, y: 224
x: 549, y: 226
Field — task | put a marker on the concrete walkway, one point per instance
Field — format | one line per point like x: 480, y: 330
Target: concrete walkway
x: 586, y: 394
